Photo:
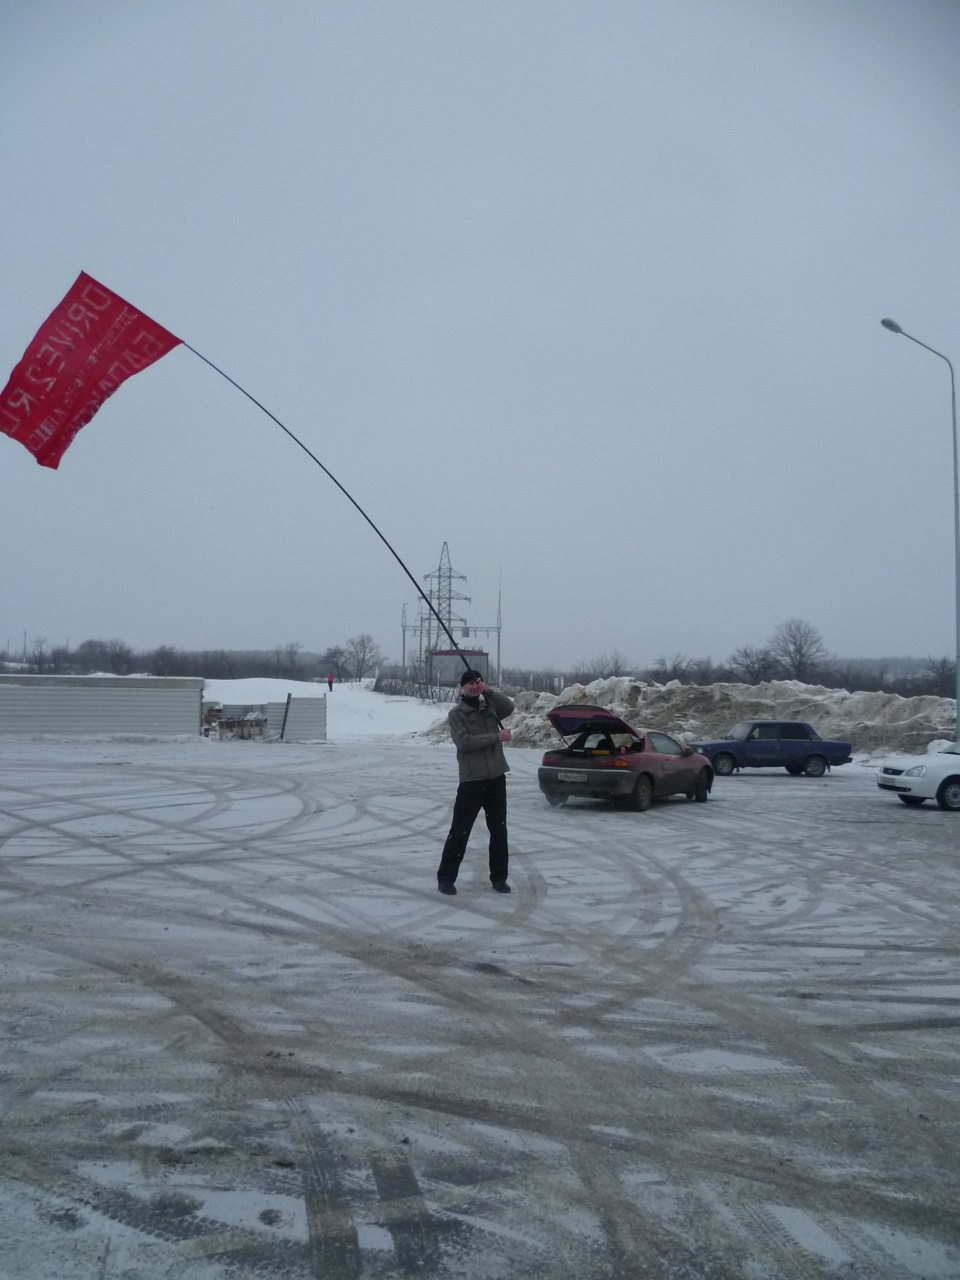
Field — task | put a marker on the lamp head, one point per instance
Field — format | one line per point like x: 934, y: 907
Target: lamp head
x: 891, y: 325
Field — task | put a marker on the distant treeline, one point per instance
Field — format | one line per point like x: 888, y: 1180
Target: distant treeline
x: 795, y: 651
x: 357, y: 658
x: 909, y: 677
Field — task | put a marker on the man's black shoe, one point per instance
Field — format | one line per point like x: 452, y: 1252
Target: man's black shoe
x: 446, y: 886
x: 501, y: 886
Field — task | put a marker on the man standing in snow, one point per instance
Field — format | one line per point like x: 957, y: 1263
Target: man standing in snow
x: 479, y: 738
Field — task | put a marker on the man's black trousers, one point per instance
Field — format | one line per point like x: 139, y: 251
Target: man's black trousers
x: 490, y: 795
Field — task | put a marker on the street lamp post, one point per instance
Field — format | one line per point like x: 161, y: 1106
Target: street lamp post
x: 895, y: 328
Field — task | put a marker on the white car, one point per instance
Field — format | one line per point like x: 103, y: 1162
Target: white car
x: 918, y: 778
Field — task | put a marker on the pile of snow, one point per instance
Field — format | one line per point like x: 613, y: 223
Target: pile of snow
x: 873, y: 722
x: 354, y: 711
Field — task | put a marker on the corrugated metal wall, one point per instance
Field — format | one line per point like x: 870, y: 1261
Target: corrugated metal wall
x: 306, y: 720
x: 294, y: 720
x: 298, y: 719
x: 165, y: 706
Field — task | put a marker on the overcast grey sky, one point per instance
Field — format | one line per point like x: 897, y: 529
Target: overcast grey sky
x: 590, y: 291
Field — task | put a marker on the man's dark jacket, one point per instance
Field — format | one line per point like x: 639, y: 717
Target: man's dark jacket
x: 476, y: 735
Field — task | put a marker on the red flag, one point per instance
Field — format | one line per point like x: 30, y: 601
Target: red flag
x: 90, y: 344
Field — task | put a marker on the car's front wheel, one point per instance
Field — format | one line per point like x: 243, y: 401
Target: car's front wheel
x: 948, y: 796
x: 702, y: 789
x: 724, y: 764
x: 913, y: 801
x: 642, y: 797
x: 815, y: 767
x: 556, y: 798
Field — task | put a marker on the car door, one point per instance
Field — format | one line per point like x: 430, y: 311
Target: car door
x: 674, y: 768
x: 762, y: 747
x: 794, y: 744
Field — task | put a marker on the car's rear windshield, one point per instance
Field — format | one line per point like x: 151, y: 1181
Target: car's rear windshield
x: 739, y: 731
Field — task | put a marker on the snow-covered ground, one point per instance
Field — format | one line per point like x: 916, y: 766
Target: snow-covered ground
x: 244, y: 1037
x: 354, y: 711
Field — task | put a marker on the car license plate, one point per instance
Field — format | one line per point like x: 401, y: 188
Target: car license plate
x: 566, y: 775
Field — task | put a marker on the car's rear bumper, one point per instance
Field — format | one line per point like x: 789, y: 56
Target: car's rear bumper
x: 590, y: 783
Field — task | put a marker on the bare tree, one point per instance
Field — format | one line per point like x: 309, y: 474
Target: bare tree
x: 120, y: 656
x: 587, y: 669
x: 93, y: 655
x: 335, y: 660
x: 164, y: 661
x: 38, y: 654
x: 702, y: 671
x: 408, y: 681
x: 602, y: 667
x: 675, y: 668
x: 59, y: 657
x: 364, y: 654
x: 752, y: 665
x: 287, y: 658
x: 216, y: 664
x: 617, y: 664
x: 941, y: 674
x: 855, y: 676
x: 798, y: 648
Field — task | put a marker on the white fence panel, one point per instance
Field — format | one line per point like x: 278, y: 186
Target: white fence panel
x: 306, y: 720
x: 161, y: 707
x: 295, y: 720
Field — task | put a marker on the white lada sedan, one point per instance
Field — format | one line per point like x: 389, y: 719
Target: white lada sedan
x: 918, y: 778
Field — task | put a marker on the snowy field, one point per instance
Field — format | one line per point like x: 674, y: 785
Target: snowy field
x: 354, y: 711
x: 244, y: 1037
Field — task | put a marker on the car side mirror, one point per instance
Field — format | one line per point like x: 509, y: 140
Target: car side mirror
x: 687, y: 751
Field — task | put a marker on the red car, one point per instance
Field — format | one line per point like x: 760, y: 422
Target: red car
x: 607, y: 760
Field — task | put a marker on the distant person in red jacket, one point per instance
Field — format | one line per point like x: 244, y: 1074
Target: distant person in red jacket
x: 330, y: 683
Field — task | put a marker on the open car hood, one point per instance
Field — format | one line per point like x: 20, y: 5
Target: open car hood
x: 571, y: 720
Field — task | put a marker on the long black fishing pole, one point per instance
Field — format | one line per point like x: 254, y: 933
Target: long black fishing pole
x: 351, y: 499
